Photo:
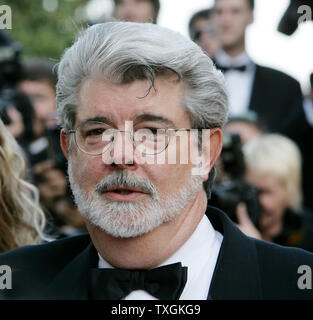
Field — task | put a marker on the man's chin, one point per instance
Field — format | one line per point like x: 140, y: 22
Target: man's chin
x: 124, y: 219
x: 125, y: 231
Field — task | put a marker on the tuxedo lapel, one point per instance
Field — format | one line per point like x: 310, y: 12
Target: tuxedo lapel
x: 236, y: 275
x: 257, y: 91
x: 72, y: 282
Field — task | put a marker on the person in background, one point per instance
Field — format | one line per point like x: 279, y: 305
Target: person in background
x: 46, y: 157
x: 136, y: 10
x: 38, y: 83
x: 57, y: 200
x: 275, y: 96
x: 246, y: 125
x: 202, y: 31
x: 22, y: 220
x: 16, y: 110
x: 273, y: 164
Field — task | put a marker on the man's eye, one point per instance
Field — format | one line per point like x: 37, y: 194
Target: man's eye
x: 153, y: 130
x: 95, y: 132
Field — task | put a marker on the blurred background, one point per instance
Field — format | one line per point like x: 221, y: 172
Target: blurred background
x: 45, y: 27
x: 279, y: 103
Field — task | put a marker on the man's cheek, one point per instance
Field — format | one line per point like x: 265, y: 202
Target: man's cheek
x: 83, y: 171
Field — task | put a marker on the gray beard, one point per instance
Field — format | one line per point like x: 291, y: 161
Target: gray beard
x: 131, y: 219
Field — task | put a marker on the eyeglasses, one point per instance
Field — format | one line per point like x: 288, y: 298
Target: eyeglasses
x: 95, y: 138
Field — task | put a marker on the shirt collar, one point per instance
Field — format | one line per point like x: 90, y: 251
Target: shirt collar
x: 199, y: 254
x: 202, y: 238
x: 222, y: 58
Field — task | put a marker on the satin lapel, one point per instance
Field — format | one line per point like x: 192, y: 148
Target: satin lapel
x: 257, y: 92
x: 72, y: 282
x: 236, y: 275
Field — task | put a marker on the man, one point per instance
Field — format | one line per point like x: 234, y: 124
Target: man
x: 275, y: 96
x: 137, y: 10
x: 203, y: 32
x: 38, y: 83
x: 126, y: 92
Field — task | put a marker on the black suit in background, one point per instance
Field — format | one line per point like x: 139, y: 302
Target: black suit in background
x: 246, y: 268
x: 278, y: 101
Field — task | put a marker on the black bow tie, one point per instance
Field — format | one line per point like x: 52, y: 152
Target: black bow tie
x: 164, y: 283
x: 225, y: 69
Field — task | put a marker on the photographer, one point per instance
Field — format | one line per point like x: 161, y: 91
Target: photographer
x: 274, y: 166
x: 231, y: 192
x: 38, y: 83
x: 16, y: 110
x: 49, y: 165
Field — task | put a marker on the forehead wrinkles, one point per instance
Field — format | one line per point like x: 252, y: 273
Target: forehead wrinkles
x: 97, y: 97
x: 126, y: 101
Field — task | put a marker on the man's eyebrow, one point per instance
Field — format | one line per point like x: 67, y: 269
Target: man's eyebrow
x: 155, y: 118
x: 139, y: 118
x: 103, y: 119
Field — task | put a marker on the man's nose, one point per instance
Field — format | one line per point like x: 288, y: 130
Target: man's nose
x: 122, y: 152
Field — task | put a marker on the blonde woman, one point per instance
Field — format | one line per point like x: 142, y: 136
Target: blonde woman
x: 21, y: 219
x: 274, y: 165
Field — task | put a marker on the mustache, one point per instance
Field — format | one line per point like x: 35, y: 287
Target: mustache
x: 126, y: 180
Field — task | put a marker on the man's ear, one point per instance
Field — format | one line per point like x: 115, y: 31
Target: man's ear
x: 64, y: 140
x: 212, y: 142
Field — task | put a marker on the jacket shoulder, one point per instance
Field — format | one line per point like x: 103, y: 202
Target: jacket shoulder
x: 280, y: 270
x: 251, y: 269
x: 54, y: 254
x: 276, y: 75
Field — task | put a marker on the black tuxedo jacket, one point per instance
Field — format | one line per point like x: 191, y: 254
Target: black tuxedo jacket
x: 277, y: 99
x: 246, y: 268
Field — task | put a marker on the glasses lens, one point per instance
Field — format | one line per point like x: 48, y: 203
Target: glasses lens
x: 151, y: 141
x: 94, y: 137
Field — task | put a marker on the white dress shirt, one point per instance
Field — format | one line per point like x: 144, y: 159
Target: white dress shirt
x: 238, y: 83
x: 199, y: 253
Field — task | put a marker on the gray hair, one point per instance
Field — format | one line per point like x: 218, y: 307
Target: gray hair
x: 122, y: 52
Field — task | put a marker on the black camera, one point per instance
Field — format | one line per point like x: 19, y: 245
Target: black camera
x: 11, y: 72
x: 10, y: 75
x: 231, y: 189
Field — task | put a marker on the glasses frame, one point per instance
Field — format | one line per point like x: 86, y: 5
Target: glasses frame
x: 73, y: 131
